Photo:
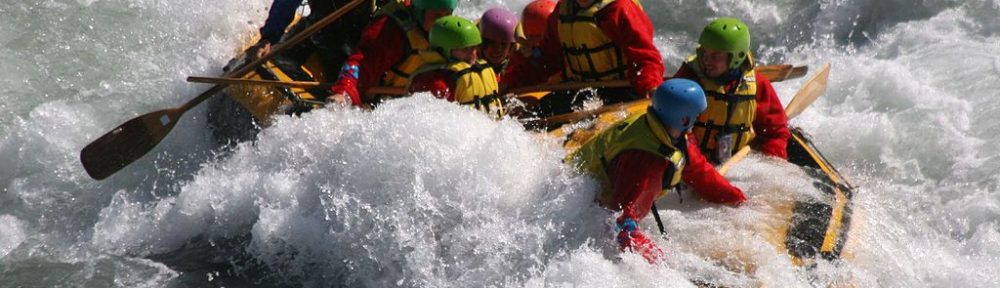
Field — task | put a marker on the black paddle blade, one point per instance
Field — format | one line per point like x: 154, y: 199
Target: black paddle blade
x: 127, y: 143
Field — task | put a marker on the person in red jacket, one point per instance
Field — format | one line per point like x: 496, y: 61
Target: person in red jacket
x: 640, y: 158
x: 391, y: 50
x: 594, y: 41
x: 743, y: 108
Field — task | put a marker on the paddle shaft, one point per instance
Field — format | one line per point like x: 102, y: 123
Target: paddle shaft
x: 774, y: 73
x: 241, y: 81
x: 779, y: 72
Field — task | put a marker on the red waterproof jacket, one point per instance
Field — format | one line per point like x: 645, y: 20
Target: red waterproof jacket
x: 637, y: 177
x: 624, y: 23
x: 770, y: 124
x: 383, y: 44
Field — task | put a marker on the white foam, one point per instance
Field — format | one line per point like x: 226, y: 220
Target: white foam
x: 384, y: 198
x: 12, y: 233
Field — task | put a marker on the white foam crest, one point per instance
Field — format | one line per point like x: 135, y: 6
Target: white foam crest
x: 419, y: 191
x: 904, y: 85
x: 73, y: 84
x: 898, y: 242
x: 12, y: 233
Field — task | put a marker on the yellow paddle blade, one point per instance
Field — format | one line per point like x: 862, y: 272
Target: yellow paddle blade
x: 781, y: 72
x: 813, y: 88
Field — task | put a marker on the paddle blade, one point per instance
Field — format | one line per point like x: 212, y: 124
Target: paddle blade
x: 127, y: 143
x: 813, y: 88
x: 781, y: 72
x: 797, y: 72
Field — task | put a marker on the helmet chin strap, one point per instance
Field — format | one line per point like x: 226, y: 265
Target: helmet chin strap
x: 729, y: 76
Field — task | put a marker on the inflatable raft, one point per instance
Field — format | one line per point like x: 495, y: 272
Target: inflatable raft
x: 245, y: 109
x: 811, y: 228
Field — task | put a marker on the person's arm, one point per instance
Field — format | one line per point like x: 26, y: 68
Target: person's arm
x: 436, y: 82
x: 636, y: 178
x: 771, y: 123
x: 281, y: 14
x: 706, y: 181
x: 386, y: 42
x: 630, y: 28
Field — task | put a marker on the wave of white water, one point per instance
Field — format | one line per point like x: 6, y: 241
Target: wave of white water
x: 421, y: 193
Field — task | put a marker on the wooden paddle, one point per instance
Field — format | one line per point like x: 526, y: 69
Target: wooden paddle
x: 241, y: 81
x: 379, y: 90
x: 133, y: 139
x: 781, y: 72
x: 775, y: 73
x: 812, y: 89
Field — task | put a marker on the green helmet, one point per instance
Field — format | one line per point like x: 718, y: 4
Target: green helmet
x: 453, y: 32
x: 728, y: 34
x: 419, y: 6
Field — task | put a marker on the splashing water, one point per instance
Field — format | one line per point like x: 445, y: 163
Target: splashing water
x: 421, y: 193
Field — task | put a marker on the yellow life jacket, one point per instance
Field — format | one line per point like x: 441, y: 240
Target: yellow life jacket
x: 633, y: 133
x: 588, y: 52
x: 420, y: 51
x: 476, y: 85
x: 727, y: 123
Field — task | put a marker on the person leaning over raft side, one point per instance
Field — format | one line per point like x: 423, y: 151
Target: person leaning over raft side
x: 497, y: 27
x: 464, y: 78
x: 640, y: 158
x: 743, y: 108
x: 595, y: 40
x: 333, y: 43
x: 391, y: 49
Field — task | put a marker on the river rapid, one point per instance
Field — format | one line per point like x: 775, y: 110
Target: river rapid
x: 422, y: 193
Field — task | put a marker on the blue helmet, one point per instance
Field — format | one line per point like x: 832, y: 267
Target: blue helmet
x: 678, y: 102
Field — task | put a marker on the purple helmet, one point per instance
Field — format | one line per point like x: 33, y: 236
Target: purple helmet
x: 498, y: 24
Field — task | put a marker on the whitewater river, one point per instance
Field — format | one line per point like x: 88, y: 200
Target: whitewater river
x: 422, y: 193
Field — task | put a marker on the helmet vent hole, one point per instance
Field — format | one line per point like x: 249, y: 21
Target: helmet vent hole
x: 724, y: 27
